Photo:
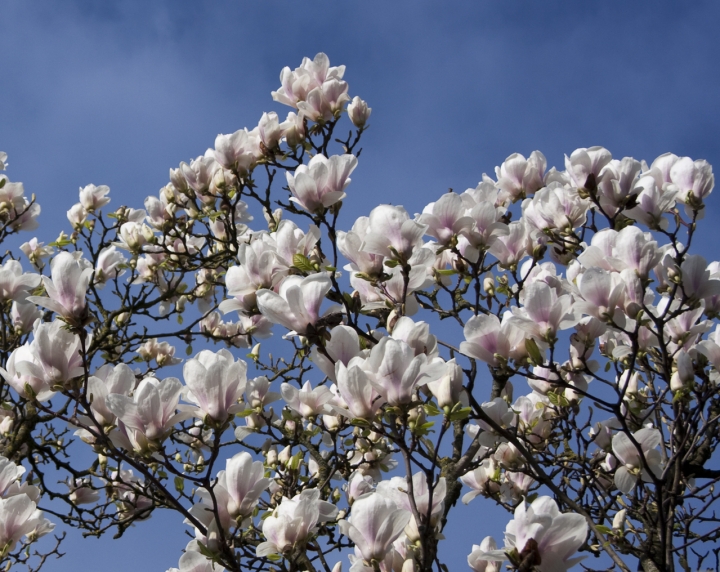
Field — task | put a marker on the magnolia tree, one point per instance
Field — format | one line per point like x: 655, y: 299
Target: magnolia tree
x: 544, y: 342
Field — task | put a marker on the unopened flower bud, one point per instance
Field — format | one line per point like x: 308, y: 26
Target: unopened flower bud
x: 507, y: 392
x: 619, y: 520
x: 284, y: 456
x: 295, y: 461
x: 507, y: 455
x: 416, y: 418
x: 358, y: 112
x: 628, y: 383
x: 147, y: 233
x: 489, y: 285
x: 222, y: 179
x: 77, y: 216
x: 392, y: 319
x: 273, y: 220
x: 331, y: 422
x: 254, y: 421
x: 684, y: 372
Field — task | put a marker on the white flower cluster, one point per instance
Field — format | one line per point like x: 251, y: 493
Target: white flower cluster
x: 548, y: 275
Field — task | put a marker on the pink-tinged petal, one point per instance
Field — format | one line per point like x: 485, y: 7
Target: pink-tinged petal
x: 169, y: 391
x: 376, y: 243
x: 49, y: 303
x: 563, y: 538
x: 682, y: 173
x: 344, y: 344
x: 538, y: 302
x: 332, y: 197
x: 126, y: 410
x: 306, y: 191
x: 14, y: 513
x: 290, y: 395
x: 314, y: 288
x: 299, y: 307
x: 355, y: 389
x: 274, y: 308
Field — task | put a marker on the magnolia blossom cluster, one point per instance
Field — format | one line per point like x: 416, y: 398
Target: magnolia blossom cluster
x: 598, y: 292
x: 19, y: 516
x: 53, y: 359
x: 584, y: 363
x: 264, y: 266
x: 138, y: 415
x: 318, y: 92
x: 539, y: 536
x: 17, y: 212
x: 236, y: 493
x: 382, y: 522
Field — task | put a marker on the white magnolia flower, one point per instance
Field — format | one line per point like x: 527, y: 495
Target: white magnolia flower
x: 519, y: 177
x: 119, y: 380
x: 350, y: 244
x: 397, y: 489
x: 14, y: 284
x: 24, y: 315
x: 149, y: 415
x: 481, y: 480
x: 315, y: 88
x: 353, y: 384
x: 358, y: 112
x: 629, y: 456
x: 66, y: 290
x: 108, y: 265
x: 238, y: 151
x: 448, y: 389
x: 475, y: 558
x: 446, y: 218
x: 544, y: 535
x: 322, y: 182
x: 55, y: 355
x: 193, y: 561
x: 93, y: 198
x: 396, y: 372
x: 307, y: 402
x: 375, y: 523
x: 490, y: 340
x: 236, y: 492
x: 19, y: 517
x: 297, y: 305
x: 392, y: 233
x: 343, y: 345
x: 215, y: 383
x: 293, y: 521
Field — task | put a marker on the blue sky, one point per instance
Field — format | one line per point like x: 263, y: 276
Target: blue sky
x: 117, y: 92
